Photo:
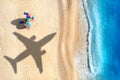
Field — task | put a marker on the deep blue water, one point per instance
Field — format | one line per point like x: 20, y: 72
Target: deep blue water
x: 104, y: 38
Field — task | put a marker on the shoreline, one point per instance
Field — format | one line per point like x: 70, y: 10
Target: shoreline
x: 88, y: 33
x: 82, y: 51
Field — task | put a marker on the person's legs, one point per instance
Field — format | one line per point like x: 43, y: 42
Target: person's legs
x: 28, y: 24
x: 28, y: 27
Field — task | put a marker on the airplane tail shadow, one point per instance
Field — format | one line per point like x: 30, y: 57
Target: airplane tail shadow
x: 12, y: 62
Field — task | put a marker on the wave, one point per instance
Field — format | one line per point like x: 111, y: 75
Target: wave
x: 103, y: 38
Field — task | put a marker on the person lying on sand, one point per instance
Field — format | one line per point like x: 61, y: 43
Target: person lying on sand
x: 29, y: 20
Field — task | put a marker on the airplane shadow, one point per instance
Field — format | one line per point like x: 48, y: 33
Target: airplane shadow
x: 20, y: 23
x: 33, y: 49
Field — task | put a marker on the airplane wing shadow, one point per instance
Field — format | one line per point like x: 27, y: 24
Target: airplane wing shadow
x: 33, y: 49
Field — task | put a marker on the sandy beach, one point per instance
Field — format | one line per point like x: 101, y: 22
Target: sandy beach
x: 65, y: 54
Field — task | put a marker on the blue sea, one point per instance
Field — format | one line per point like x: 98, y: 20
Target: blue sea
x: 104, y: 38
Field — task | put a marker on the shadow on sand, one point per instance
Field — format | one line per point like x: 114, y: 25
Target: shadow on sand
x: 20, y: 23
x: 33, y: 49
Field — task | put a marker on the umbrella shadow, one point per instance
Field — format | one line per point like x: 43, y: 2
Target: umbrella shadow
x: 19, y: 23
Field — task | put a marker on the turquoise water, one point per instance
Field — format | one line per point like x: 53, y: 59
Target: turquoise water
x: 104, y: 38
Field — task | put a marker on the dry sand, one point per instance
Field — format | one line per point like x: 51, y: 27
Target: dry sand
x: 60, y: 62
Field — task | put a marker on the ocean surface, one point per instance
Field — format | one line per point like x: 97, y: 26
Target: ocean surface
x: 104, y: 38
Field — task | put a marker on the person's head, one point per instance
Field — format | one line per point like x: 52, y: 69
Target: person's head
x: 25, y: 13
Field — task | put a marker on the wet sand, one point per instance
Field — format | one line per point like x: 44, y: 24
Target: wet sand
x: 64, y: 52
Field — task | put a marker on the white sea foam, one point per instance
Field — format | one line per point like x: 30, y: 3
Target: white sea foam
x: 96, y: 55
x: 80, y: 58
